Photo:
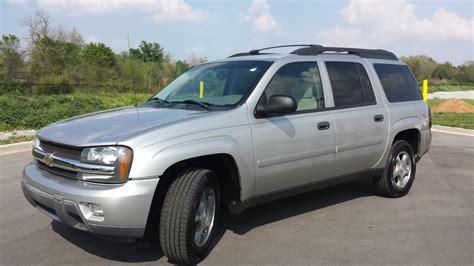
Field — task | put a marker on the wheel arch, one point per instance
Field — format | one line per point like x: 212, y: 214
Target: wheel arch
x: 409, y: 129
x: 223, y: 165
x: 412, y: 136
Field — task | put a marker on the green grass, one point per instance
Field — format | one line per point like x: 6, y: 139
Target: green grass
x: 433, y: 102
x: 469, y: 101
x: 436, y: 88
x: 465, y: 120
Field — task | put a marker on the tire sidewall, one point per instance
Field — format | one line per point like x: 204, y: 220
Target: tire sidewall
x: 398, y: 147
x: 201, y: 252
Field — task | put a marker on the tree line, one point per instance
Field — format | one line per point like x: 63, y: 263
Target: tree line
x: 424, y: 67
x: 59, y: 61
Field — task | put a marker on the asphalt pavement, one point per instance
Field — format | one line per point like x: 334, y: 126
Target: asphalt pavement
x: 346, y: 224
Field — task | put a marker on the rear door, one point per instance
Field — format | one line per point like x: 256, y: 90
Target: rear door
x: 361, y: 118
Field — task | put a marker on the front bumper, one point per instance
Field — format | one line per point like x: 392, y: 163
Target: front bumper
x: 125, y: 206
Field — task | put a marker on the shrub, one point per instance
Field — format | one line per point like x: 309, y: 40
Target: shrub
x: 38, y: 111
x: 52, y: 84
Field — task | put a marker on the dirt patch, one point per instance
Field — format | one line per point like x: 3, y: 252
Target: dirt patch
x: 453, y: 106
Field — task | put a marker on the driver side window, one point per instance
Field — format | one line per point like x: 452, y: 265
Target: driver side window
x: 300, y: 80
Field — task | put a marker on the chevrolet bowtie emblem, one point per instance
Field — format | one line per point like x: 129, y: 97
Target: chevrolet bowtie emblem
x: 48, y: 159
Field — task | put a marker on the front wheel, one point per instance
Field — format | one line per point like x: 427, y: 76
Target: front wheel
x: 399, y: 172
x: 189, y: 216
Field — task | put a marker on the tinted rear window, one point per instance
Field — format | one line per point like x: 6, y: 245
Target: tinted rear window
x: 350, y: 84
x: 398, y: 83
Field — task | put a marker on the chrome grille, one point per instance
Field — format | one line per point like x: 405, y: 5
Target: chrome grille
x: 59, y: 164
x: 61, y: 150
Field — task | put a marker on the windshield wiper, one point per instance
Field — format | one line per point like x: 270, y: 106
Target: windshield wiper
x: 203, y: 105
x: 160, y: 101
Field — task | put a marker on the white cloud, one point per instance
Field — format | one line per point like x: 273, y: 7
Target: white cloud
x: 95, y: 6
x: 161, y: 10
x: 260, y: 16
x: 19, y: 3
x: 383, y: 22
x: 178, y: 10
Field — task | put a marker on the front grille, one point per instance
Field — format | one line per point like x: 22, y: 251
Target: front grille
x: 61, y: 150
x: 58, y: 171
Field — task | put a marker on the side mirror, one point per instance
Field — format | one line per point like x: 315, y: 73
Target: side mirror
x: 277, y: 104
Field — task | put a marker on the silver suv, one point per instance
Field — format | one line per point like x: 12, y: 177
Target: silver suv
x: 232, y: 133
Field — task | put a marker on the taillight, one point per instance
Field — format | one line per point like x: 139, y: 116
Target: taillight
x: 430, y: 117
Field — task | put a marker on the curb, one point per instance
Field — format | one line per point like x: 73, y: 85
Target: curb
x: 15, y: 147
x: 453, y: 130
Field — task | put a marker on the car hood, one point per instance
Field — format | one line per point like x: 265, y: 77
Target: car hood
x: 111, y: 126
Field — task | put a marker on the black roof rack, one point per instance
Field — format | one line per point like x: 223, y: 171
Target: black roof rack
x: 314, y: 49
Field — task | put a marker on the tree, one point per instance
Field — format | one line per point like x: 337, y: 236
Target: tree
x: 98, y: 54
x: 422, y: 66
x: 194, y: 60
x: 445, y: 71
x: 11, y: 57
x: 53, y: 56
x: 40, y: 26
x: 178, y: 68
x: 148, y: 52
x: 466, y: 72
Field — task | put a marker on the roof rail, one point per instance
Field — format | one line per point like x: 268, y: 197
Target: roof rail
x: 257, y: 51
x: 365, y: 53
x: 314, y: 49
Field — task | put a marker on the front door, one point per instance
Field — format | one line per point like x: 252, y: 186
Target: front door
x: 298, y: 148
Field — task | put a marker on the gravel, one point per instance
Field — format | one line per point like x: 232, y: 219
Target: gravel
x: 17, y: 133
x: 452, y: 95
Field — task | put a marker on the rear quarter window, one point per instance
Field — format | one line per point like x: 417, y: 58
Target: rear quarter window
x: 398, y: 83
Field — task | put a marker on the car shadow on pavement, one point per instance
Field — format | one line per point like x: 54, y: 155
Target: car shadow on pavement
x: 109, y: 249
x: 141, y: 251
x: 296, y: 205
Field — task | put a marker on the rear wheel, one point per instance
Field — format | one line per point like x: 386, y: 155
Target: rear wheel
x: 189, y: 216
x: 399, y: 172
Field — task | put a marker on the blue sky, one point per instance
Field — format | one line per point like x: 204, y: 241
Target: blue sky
x: 218, y: 28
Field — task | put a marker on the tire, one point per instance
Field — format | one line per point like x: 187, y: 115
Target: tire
x: 399, y: 172
x: 183, y: 239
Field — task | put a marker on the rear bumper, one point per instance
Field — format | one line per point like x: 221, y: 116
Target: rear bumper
x: 425, y: 143
x: 125, y: 206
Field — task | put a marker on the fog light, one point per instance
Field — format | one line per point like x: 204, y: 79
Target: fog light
x: 92, y: 211
x: 96, y: 210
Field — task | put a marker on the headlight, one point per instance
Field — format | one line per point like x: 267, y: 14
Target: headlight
x: 36, y: 143
x: 117, y: 156
x: 100, y: 155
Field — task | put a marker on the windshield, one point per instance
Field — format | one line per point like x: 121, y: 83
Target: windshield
x: 221, y: 83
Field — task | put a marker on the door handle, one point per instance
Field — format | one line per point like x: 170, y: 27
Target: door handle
x: 378, y: 118
x: 323, y: 125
